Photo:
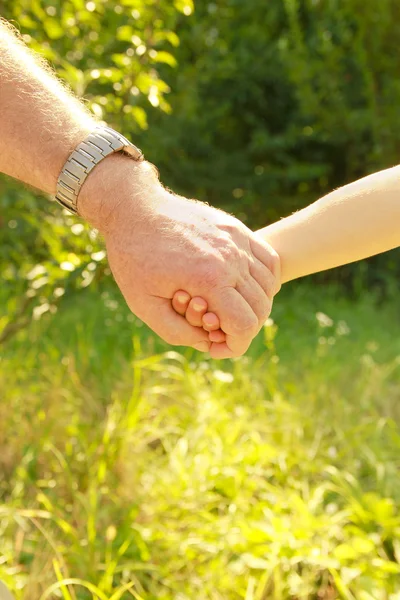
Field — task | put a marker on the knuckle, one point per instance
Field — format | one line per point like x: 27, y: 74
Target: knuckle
x: 276, y: 285
x: 247, y: 327
x: 267, y: 308
x: 275, y: 264
x: 230, y: 227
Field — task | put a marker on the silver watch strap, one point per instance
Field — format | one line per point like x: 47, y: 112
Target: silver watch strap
x: 102, y: 142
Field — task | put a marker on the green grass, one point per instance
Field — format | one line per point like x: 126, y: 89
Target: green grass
x: 130, y: 470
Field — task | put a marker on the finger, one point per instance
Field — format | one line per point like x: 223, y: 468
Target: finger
x: 211, y: 322
x: 195, y: 311
x: 180, y: 302
x: 220, y: 351
x: 263, y: 276
x: 269, y: 257
x: 237, y: 320
x: 173, y: 328
x: 256, y: 298
x: 217, y: 336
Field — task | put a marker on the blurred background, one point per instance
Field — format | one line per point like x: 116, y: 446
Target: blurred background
x: 129, y: 469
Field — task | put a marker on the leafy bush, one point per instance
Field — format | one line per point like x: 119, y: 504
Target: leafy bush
x: 275, y: 105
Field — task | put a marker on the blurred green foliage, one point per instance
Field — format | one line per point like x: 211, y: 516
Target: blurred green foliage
x: 272, y: 477
x: 276, y: 103
x: 275, y: 476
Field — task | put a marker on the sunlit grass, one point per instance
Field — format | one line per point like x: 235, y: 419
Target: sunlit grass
x: 133, y: 471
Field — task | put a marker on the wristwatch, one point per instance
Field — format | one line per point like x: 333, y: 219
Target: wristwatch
x: 102, y: 142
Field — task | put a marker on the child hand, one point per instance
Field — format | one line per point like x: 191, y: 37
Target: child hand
x: 195, y: 311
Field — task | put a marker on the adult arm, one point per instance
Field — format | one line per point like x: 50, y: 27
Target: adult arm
x: 156, y: 241
x: 356, y: 221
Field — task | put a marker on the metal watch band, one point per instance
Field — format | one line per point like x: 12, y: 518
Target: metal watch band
x: 102, y: 142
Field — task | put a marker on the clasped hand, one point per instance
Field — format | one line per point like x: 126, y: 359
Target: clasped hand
x: 158, y: 243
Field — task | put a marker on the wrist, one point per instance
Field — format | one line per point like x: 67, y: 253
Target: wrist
x: 115, y: 180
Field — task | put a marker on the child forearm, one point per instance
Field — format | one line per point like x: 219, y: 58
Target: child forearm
x: 356, y: 221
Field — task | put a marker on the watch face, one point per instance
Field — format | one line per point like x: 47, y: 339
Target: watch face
x: 5, y: 594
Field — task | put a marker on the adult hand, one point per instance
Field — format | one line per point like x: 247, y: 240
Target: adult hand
x: 158, y: 242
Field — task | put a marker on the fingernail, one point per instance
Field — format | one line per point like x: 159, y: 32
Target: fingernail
x: 182, y: 298
x: 198, y: 307
x: 202, y: 346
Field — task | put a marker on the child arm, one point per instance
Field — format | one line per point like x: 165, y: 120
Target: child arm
x: 356, y: 221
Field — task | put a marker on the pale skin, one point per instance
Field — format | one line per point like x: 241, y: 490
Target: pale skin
x: 359, y: 220
x: 157, y: 242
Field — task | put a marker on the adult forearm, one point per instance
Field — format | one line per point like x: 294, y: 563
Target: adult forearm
x: 359, y: 220
x: 40, y: 121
